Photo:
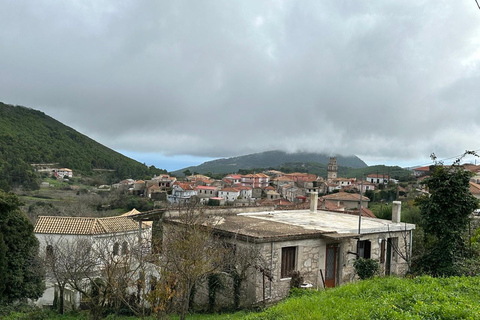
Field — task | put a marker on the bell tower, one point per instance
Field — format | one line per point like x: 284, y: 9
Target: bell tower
x: 332, y: 169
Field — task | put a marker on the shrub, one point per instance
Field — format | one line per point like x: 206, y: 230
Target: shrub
x: 366, y: 268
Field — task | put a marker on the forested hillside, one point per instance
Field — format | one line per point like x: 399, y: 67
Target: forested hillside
x: 29, y: 136
x: 270, y: 159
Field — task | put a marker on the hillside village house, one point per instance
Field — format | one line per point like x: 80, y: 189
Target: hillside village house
x: 181, y: 192
x: 379, y: 178
x: 347, y: 200
x: 229, y: 194
x: 63, y: 173
x: 112, y: 235
x: 256, y: 180
x: 321, y: 245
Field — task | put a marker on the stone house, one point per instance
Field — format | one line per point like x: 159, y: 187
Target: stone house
x: 348, y: 200
x: 321, y: 245
x: 229, y: 194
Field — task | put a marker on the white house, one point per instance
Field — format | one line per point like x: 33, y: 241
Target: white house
x: 112, y: 236
x: 229, y: 194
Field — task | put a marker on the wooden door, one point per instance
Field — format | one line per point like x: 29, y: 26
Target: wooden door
x: 331, y: 266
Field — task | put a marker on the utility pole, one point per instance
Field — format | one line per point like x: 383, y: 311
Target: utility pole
x: 360, y: 211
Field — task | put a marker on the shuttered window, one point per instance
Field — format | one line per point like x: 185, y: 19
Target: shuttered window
x: 363, y: 249
x: 288, y: 261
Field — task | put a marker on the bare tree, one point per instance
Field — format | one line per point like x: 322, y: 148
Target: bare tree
x: 190, y: 252
x: 241, y: 262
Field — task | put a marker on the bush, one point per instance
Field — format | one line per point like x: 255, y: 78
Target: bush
x: 366, y: 268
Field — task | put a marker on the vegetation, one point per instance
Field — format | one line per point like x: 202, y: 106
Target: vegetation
x: 29, y: 136
x: 23, y: 276
x: 445, y: 219
x: 366, y: 268
x: 384, y: 298
x: 269, y: 159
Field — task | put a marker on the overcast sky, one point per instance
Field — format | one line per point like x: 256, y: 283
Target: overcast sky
x: 173, y: 83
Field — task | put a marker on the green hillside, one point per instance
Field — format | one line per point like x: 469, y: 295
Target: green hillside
x: 384, y: 298
x: 29, y: 136
x: 270, y: 159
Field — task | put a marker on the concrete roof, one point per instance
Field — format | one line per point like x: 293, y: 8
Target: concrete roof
x: 302, y: 224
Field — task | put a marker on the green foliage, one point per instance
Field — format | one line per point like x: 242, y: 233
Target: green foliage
x: 3, y: 265
x: 29, y: 136
x: 296, y: 280
x: 445, y: 216
x: 384, y: 298
x: 272, y: 159
x: 366, y: 268
x: 24, y: 276
x: 214, y: 284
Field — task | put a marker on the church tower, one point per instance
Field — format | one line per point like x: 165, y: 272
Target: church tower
x: 332, y: 169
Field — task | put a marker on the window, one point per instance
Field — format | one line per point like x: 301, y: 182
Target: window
x: 49, y: 251
x: 116, y: 248
x: 124, y: 247
x: 288, y: 261
x: 363, y: 249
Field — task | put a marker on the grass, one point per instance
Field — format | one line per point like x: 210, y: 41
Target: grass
x: 385, y: 298
x: 379, y: 298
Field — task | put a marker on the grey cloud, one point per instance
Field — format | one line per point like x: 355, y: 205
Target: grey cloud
x: 215, y: 79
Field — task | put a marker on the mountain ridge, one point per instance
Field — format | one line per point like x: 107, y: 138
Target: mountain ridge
x: 269, y: 159
x: 30, y: 136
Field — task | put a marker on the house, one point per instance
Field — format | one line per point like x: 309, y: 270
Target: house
x: 348, y: 200
x: 421, y: 171
x: 63, y: 173
x: 322, y: 246
x: 475, y: 189
x: 233, y: 179
x: 343, y: 182
x: 379, y: 178
x: 139, y: 188
x: 255, y: 180
x: 229, y: 194
x: 300, y: 178
x: 273, y: 195
x: 165, y: 181
x: 110, y: 237
x: 181, y: 192
x: 245, y: 192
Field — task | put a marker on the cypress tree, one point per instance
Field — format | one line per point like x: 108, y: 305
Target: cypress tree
x: 24, y: 275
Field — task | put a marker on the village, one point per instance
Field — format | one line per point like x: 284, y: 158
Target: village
x: 280, y: 224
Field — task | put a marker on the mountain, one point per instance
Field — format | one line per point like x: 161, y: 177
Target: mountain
x: 270, y: 159
x: 29, y: 136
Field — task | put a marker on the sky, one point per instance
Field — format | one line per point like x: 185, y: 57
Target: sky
x: 176, y: 83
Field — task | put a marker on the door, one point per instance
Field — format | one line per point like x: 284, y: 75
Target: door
x: 388, y: 262
x: 331, y: 266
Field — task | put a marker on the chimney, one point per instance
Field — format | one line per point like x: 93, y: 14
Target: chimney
x: 396, y: 211
x: 313, y: 202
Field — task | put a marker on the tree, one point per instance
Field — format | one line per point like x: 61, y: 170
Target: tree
x: 445, y: 217
x: 190, y: 253
x: 24, y: 274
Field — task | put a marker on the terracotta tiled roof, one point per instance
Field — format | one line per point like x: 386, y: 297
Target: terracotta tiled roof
x: 230, y: 190
x: 378, y: 176
x: 242, y: 188
x: 474, y: 188
x: 426, y: 168
x: 84, y: 225
x: 345, y: 196
x: 206, y: 188
x: 130, y: 213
